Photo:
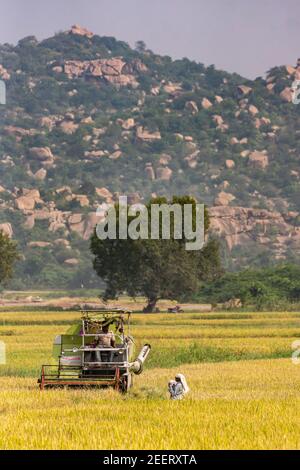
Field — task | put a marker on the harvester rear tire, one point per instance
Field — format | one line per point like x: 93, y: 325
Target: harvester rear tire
x: 126, y: 383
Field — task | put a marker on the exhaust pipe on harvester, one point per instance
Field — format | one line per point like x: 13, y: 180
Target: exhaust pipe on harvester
x: 137, y: 366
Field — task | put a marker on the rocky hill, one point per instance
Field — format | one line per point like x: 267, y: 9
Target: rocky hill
x: 88, y: 118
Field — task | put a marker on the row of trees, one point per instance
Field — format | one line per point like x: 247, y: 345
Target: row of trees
x: 276, y: 287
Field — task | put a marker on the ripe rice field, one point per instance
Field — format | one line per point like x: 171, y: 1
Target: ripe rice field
x: 245, y: 390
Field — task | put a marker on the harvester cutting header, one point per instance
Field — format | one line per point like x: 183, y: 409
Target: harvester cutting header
x: 97, y: 351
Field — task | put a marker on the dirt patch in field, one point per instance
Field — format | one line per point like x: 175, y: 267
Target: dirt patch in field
x: 77, y: 303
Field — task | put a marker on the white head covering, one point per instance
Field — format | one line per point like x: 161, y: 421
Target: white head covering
x: 182, y: 379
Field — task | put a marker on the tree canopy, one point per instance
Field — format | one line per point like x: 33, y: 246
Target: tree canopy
x: 8, y: 256
x: 157, y: 269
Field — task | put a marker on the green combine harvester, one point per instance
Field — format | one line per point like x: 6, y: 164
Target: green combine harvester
x: 85, y: 359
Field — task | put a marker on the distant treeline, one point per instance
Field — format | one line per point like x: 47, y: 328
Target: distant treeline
x: 275, y: 288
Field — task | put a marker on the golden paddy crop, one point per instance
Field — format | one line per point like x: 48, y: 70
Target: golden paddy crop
x: 244, y: 386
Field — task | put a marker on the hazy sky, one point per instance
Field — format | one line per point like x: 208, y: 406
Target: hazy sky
x: 245, y: 36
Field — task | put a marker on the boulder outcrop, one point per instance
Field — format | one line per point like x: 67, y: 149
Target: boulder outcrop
x: 241, y: 226
x: 40, y: 175
x: 145, y: 135
x: 113, y: 70
x: 4, y: 73
x: 172, y: 88
x: 230, y: 164
x: 192, y: 107
x: 43, y: 154
x: 72, y: 262
x: 287, y: 94
x: 224, y: 199
x: 39, y: 244
x: 68, y: 127
x: 128, y: 124
x: 244, y: 90
x: 149, y: 170
x: 104, y: 193
x: 206, y: 104
x: 78, y: 30
x: 7, y: 229
x: 258, y: 160
x: 164, y: 173
x: 28, y: 200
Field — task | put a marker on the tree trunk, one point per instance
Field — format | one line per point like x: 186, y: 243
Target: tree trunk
x: 150, y: 307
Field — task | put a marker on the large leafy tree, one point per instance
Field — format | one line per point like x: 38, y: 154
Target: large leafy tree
x: 8, y: 256
x: 155, y: 268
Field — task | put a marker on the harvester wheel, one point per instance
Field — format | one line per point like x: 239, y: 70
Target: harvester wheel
x: 126, y: 383
x: 117, y: 380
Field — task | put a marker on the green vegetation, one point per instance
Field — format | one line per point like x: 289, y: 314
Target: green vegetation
x: 270, y: 288
x: 8, y: 257
x: 156, y: 269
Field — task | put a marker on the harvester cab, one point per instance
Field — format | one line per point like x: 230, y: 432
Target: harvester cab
x: 84, y: 357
